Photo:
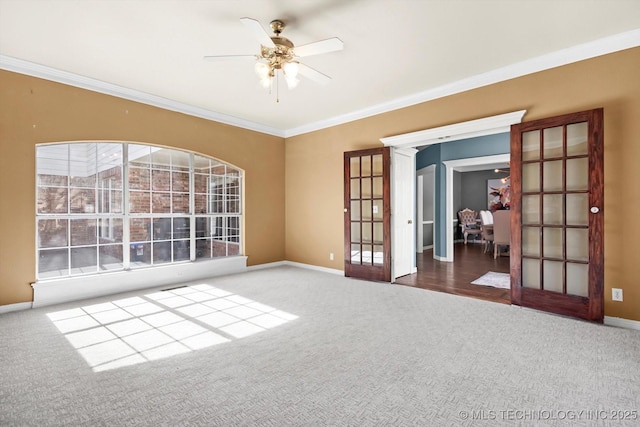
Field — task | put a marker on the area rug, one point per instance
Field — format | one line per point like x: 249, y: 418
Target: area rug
x: 496, y: 280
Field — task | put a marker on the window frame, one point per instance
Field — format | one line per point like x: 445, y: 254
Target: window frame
x: 105, y: 232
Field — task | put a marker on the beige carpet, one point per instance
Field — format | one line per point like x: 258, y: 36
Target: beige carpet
x: 287, y: 346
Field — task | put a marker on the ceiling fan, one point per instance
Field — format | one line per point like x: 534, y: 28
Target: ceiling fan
x: 278, y: 53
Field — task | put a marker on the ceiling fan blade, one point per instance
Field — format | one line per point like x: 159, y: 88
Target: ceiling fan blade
x: 316, y: 48
x: 260, y: 34
x: 313, y: 74
x: 216, y: 58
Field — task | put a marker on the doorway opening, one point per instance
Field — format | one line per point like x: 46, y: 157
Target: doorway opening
x: 467, y: 262
x: 436, y: 269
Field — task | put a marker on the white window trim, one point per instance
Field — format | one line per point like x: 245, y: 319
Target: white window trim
x: 126, y: 216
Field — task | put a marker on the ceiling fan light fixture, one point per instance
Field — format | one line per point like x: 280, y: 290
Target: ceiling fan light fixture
x: 292, y: 82
x: 262, y: 69
x: 278, y: 53
x: 291, y: 69
x: 266, y: 82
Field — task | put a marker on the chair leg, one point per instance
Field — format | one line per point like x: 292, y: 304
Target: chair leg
x: 495, y: 250
x: 465, y: 238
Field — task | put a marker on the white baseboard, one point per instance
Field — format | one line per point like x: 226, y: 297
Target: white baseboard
x: 295, y: 264
x: 82, y: 287
x: 622, y: 323
x: 15, y: 307
x: 267, y: 265
x: 315, y: 267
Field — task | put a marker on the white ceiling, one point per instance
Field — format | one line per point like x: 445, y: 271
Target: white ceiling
x: 397, y: 52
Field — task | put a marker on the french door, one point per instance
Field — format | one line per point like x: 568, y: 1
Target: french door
x: 367, y: 208
x: 557, y: 261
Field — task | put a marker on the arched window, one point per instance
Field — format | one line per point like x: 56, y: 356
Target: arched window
x: 118, y: 206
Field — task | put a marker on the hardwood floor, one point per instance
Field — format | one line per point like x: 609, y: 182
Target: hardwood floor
x: 456, y: 277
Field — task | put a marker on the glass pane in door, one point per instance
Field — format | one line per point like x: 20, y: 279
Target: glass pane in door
x: 578, y: 279
x: 355, y: 210
x: 552, y: 176
x: 355, y: 167
x: 577, y: 209
x: 577, y: 174
x: 355, y: 232
x: 366, y: 188
x: 531, y: 273
x: 356, y: 254
x: 367, y: 233
x: 378, y: 236
x: 552, y: 242
x: 355, y: 188
x: 578, y: 244
x: 530, y: 177
x: 531, y: 145
x: 365, y: 163
x: 378, y: 254
x: 577, y: 138
x: 377, y: 165
x: 552, y: 144
x: 366, y: 210
x: 377, y: 187
x: 531, y: 209
x: 552, y: 276
x: 553, y: 212
x: 531, y: 241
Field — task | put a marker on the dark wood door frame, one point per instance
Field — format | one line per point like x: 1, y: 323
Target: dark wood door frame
x: 590, y: 307
x: 361, y: 268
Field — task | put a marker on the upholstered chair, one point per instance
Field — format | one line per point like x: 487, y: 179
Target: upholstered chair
x: 486, y: 226
x: 501, y: 230
x: 468, y: 223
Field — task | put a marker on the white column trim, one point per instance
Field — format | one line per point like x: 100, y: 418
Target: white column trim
x: 463, y: 130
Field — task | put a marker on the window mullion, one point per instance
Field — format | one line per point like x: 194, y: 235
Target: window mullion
x: 225, y: 211
x: 192, y: 211
x: 68, y: 209
x: 96, y: 207
x: 126, y: 244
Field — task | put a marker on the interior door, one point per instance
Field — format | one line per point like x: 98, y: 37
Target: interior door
x: 403, y: 211
x: 557, y: 262
x: 367, y: 206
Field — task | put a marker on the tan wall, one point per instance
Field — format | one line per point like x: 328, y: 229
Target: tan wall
x: 314, y: 205
x: 34, y: 111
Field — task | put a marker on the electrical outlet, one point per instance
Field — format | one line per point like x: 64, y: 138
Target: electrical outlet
x: 616, y: 294
x: 331, y: 256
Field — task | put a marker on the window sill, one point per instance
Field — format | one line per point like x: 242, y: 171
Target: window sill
x: 55, y: 291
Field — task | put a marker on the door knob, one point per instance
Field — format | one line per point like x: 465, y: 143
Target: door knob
x: 410, y: 222
x: 594, y: 209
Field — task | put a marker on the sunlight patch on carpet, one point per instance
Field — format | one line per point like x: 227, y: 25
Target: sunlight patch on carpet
x: 162, y: 324
x: 496, y: 280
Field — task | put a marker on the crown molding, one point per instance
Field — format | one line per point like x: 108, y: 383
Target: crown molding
x: 615, y: 43
x: 41, y: 71
x: 603, y: 46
